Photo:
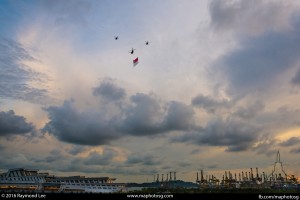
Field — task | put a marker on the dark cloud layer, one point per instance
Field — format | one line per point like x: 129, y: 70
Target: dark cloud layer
x: 149, y: 117
x: 15, y: 76
x: 261, y: 59
x: 143, y: 117
x: 86, y: 128
x: 100, y: 163
x: 235, y: 134
x: 11, y: 124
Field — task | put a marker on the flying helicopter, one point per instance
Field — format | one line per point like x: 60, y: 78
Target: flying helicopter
x: 132, y: 51
x: 146, y: 43
x: 116, y: 37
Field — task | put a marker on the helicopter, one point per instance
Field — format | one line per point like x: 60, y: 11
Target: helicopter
x: 132, y: 51
x: 146, y: 43
x: 116, y: 37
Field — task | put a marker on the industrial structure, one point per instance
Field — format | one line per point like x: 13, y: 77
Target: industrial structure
x: 250, y: 179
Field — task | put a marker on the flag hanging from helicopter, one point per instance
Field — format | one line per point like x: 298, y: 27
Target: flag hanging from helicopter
x: 135, y: 61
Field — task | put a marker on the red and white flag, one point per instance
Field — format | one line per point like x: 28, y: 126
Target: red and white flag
x: 135, y: 61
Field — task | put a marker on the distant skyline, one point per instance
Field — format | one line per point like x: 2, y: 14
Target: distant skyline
x: 217, y: 88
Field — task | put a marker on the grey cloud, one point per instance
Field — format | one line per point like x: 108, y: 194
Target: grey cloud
x: 195, y: 151
x: 296, y: 79
x: 290, y: 142
x: 142, y: 159
x: 236, y: 135
x: 251, y: 111
x: 73, y: 166
x: 265, y: 146
x: 133, y: 159
x: 251, y: 17
x: 209, y: 104
x: 287, y: 117
x: 109, y: 90
x: 143, y: 117
x: 167, y: 167
x: 11, y: 124
x: 146, y: 116
x: 90, y: 164
x: 105, y: 158
x: 93, y: 163
x: 260, y: 60
x: 76, y: 150
x: 149, y: 117
x: 14, y: 76
x: 184, y: 164
x: 92, y: 128
x: 295, y: 150
x: 12, y: 160
x: 85, y: 128
x: 151, y: 160
x: 179, y: 117
x: 55, y: 155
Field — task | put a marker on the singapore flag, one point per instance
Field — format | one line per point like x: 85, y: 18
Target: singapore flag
x: 135, y: 61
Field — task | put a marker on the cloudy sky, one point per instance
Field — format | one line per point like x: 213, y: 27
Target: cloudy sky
x: 217, y: 88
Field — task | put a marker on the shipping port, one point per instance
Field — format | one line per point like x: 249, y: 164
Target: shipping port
x: 30, y: 180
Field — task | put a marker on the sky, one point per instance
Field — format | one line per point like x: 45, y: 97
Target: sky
x: 216, y: 89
